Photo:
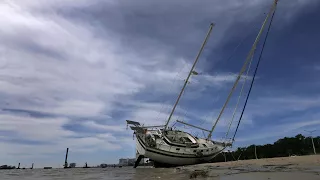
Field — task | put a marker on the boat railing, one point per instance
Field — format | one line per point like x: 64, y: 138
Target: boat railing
x: 192, y: 126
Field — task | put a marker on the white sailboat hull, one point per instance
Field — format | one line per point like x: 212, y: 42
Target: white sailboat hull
x: 172, y: 158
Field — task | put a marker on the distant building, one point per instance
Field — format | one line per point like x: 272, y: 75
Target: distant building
x: 131, y: 161
x: 103, y: 165
x: 123, y: 162
x: 73, y: 165
x: 127, y: 161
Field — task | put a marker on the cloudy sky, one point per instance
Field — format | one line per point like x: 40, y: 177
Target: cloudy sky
x: 72, y: 72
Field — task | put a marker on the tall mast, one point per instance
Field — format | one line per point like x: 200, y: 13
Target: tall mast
x: 191, y: 70
x: 244, y: 65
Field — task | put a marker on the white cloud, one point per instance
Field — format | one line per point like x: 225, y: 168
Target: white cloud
x: 52, y: 62
x: 94, y: 125
x: 155, y: 113
x: 281, y: 103
x: 267, y: 107
x: 49, y: 137
x: 292, y: 129
x: 34, y: 128
x: 77, y: 107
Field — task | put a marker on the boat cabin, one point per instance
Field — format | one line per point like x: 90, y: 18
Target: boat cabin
x: 180, y: 138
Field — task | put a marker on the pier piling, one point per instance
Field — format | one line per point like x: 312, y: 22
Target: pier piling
x: 66, y: 159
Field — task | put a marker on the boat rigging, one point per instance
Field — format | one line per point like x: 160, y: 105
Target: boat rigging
x: 169, y: 147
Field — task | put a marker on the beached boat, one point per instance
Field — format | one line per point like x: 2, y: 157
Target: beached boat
x: 168, y: 147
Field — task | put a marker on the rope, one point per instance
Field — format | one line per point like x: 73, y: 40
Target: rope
x: 190, y: 72
x: 230, y: 57
x: 243, y: 67
x: 204, y: 120
x: 171, y: 87
x: 255, y: 72
x: 185, y: 113
x: 238, y: 101
x: 204, y: 136
x: 236, y: 48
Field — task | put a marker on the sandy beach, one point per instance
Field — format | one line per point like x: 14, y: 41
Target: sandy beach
x: 293, y: 168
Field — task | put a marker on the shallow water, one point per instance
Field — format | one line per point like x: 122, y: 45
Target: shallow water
x: 129, y: 173
x: 92, y: 174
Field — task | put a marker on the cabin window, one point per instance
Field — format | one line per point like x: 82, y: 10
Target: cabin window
x: 201, y: 150
x: 207, y: 150
x: 204, y: 145
x: 194, y: 150
x: 177, y: 149
x: 186, y: 139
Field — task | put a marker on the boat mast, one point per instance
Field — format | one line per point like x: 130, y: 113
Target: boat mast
x: 188, y: 77
x: 244, y: 65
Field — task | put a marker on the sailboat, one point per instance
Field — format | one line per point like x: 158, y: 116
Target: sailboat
x: 167, y: 147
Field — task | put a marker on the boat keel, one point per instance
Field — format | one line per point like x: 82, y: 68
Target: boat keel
x: 138, y: 161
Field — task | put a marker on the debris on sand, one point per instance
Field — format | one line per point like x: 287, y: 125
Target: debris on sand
x: 199, y: 173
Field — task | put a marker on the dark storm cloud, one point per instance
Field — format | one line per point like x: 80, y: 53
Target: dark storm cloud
x: 177, y: 26
x: 160, y: 34
x: 36, y: 114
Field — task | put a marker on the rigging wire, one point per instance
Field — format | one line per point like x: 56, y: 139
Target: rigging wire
x: 244, y: 66
x: 185, y: 113
x: 203, y: 120
x: 236, y: 48
x: 166, y: 106
x: 190, y: 73
x: 204, y: 135
x: 228, y: 59
x: 254, y: 75
x: 240, y: 43
x: 238, y: 101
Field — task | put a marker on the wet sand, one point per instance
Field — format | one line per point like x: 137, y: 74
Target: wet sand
x: 293, y: 168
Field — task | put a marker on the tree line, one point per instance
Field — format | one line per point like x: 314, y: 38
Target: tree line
x: 287, y: 146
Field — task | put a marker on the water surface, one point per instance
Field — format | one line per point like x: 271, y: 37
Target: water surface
x: 125, y: 173
x: 183, y: 173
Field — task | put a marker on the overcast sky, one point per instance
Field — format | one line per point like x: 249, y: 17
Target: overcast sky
x: 72, y: 72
